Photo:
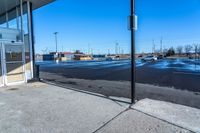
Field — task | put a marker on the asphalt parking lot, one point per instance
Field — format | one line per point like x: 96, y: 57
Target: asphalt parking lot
x: 177, y: 73
x: 173, y: 80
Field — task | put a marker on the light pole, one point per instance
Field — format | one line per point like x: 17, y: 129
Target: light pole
x: 56, y: 40
x: 116, y: 48
x: 133, y: 79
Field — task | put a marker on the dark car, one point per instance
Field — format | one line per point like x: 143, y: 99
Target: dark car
x: 160, y: 57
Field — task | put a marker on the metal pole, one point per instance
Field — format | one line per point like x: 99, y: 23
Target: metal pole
x: 56, y: 42
x: 17, y: 14
x: 116, y: 48
x: 21, y: 19
x: 161, y: 45
x: 31, y: 39
x: 133, y: 80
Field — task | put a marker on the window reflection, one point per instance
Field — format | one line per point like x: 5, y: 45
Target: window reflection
x: 13, y: 53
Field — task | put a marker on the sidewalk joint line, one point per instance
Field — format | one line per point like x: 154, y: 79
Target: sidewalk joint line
x: 111, y: 120
x: 163, y: 120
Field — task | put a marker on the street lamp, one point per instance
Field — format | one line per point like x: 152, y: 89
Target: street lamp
x: 56, y: 40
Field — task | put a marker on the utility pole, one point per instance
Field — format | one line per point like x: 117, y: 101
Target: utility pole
x: 161, y: 45
x: 108, y: 51
x: 92, y: 51
x: 88, y: 48
x: 56, y: 41
x: 122, y: 51
x: 116, y: 48
x: 154, y: 47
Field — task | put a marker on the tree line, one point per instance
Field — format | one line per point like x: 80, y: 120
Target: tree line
x: 180, y: 50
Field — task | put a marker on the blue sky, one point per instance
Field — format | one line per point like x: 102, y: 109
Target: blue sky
x: 99, y: 24
x: 176, y: 21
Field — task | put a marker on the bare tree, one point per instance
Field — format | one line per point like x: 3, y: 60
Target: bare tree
x: 170, y: 52
x: 198, y: 49
x: 195, y: 48
x: 188, y: 48
x: 45, y: 51
x: 165, y: 51
x: 179, y: 50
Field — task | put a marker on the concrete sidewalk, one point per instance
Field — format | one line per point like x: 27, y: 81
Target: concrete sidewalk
x: 43, y: 108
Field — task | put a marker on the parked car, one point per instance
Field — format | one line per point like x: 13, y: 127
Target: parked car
x: 140, y: 56
x: 109, y: 59
x: 150, y: 58
x: 160, y: 57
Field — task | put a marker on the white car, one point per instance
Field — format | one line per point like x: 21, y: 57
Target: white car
x: 150, y: 58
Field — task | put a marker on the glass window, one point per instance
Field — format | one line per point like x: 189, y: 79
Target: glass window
x: 94, y: 41
x: 13, y: 53
x: 3, y: 21
x: 25, y: 18
x: 14, y: 68
x: 12, y: 23
x: 168, y: 51
x: 15, y: 78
